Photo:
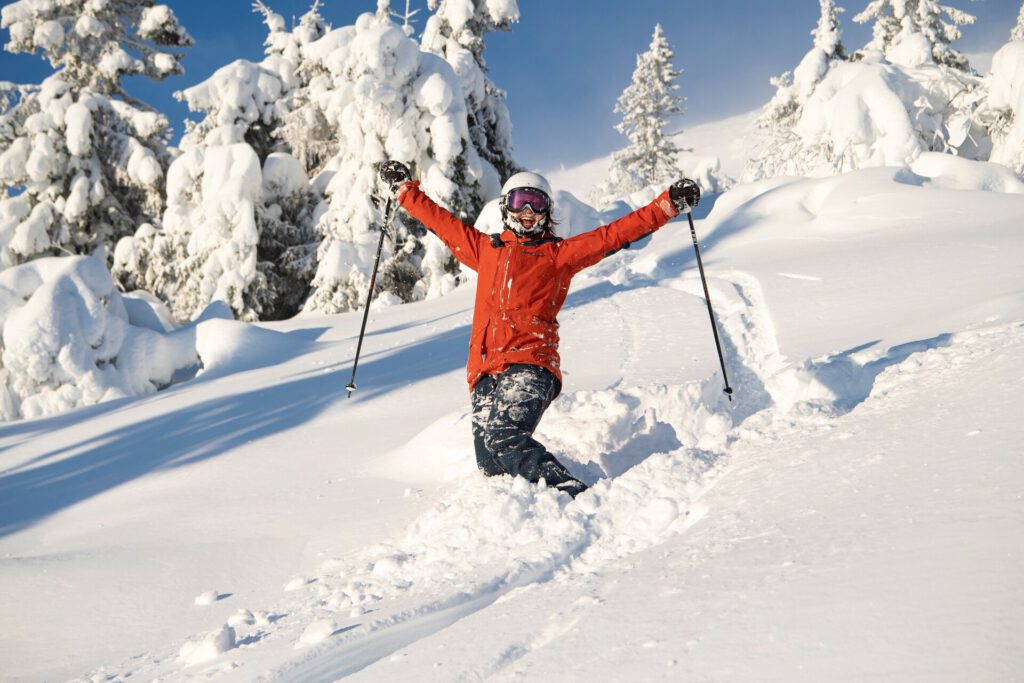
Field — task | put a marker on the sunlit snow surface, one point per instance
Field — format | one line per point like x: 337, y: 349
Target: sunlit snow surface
x: 855, y: 512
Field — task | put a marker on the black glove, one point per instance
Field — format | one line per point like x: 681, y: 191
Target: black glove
x: 393, y: 174
x: 685, y: 194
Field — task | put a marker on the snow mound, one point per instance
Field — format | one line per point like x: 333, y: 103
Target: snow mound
x: 319, y: 631
x: 954, y: 173
x: 851, y: 201
x: 229, y: 346
x: 208, y: 646
x: 207, y: 598
x: 68, y: 340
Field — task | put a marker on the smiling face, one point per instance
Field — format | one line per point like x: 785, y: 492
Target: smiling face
x: 527, y: 218
x: 526, y: 210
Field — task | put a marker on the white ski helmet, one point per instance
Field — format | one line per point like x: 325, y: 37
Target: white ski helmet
x: 526, y: 179
x: 520, y: 181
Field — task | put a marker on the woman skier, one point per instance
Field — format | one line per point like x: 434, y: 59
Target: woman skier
x: 524, y: 274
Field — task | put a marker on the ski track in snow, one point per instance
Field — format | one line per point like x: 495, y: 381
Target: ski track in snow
x: 485, y: 539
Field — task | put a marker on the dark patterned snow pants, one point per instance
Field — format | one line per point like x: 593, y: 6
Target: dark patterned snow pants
x: 506, y: 410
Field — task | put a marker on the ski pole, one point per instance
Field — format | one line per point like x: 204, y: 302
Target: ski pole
x: 369, y: 295
x: 711, y: 313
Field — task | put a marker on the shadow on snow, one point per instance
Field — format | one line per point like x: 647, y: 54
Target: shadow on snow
x: 60, y: 478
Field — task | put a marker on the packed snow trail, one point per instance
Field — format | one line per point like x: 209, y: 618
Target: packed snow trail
x: 786, y: 576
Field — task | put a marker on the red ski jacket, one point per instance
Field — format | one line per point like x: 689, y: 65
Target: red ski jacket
x: 523, y: 282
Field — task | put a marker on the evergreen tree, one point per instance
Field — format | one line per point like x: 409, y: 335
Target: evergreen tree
x: 243, y: 236
x: 782, y: 151
x: 456, y: 31
x: 304, y: 128
x: 407, y: 18
x: 646, y: 106
x: 83, y: 162
x: 1001, y: 106
x: 382, y: 97
x: 886, y: 24
x: 897, y: 22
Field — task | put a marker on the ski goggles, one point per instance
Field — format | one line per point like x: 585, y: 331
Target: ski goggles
x: 519, y: 199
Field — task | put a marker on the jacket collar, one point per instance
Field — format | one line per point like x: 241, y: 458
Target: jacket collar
x: 509, y: 237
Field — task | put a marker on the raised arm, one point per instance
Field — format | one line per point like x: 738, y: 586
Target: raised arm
x: 587, y: 249
x: 463, y: 240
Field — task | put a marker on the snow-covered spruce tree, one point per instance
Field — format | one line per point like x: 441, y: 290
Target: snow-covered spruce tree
x: 456, y: 31
x: 81, y: 162
x: 885, y: 107
x: 1002, y: 109
x: 242, y: 234
x: 385, y: 98
x: 781, y: 151
x: 304, y: 128
x: 646, y: 105
x: 407, y: 18
x: 901, y: 26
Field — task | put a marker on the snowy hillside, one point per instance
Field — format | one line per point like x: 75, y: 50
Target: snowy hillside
x: 856, y: 513
x: 728, y: 141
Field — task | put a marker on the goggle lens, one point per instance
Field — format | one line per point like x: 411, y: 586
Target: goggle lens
x: 518, y: 200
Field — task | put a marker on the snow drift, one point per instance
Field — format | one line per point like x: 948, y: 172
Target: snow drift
x: 68, y: 340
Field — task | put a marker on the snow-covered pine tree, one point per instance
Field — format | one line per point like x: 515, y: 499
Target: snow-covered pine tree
x: 885, y: 25
x: 244, y: 235
x: 902, y: 27
x: 386, y: 99
x: 884, y: 107
x: 646, y: 106
x: 782, y: 151
x: 83, y: 162
x: 304, y: 128
x: 407, y: 18
x: 1001, y: 111
x: 456, y: 31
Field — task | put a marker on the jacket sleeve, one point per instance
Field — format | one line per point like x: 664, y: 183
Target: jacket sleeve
x: 585, y: 250
x: 463, y: 240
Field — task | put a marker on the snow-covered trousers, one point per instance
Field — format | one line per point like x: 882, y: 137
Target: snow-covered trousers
x: 507, y: 408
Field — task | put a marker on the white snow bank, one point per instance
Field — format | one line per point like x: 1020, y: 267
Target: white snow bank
x: 68, y: 340
x: 226, y: 346
x: 954, y: 173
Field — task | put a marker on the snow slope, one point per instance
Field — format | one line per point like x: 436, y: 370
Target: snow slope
x: 856, y: 513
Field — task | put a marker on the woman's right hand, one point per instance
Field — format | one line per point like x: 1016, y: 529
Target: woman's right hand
x: 685, y: 194
x: 394, y: 174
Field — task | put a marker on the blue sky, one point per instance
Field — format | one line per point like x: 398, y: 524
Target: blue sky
x: 566, y: 62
